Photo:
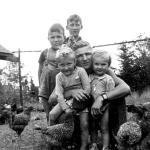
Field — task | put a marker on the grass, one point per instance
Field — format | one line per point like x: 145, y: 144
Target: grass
x: 135, y: 98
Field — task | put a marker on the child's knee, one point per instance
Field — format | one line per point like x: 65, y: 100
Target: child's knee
x: 104, y: 129
x: 52, y: 116
x: 52, y: 99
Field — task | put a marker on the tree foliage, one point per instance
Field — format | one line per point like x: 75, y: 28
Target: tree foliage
x: 135, y: 64
x: 9, y: 84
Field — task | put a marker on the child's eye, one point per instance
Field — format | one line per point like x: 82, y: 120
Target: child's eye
x: 79, y: 56
x: 58, y: 36
x: 96, y: 64
x: 77, y: 24
x: 69, y: 64
x: 61, y: 65
x: 71, y: 25
x: 103, y: 64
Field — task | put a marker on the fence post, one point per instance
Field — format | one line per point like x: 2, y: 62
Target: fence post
x: 20, y: 85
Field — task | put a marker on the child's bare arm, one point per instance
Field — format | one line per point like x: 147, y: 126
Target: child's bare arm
x: 85, y: 81
x: 59, y: 92
x: 121, y: 88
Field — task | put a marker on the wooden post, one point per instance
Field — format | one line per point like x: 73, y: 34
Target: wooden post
x: 20, y: 85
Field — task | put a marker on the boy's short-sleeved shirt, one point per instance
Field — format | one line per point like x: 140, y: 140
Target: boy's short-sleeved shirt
x: 51, y: 59
x: 43, y: 57
x: 70, y: 41
x: 101, y: 84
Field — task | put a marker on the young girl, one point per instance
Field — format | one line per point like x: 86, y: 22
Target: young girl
x: 100, y: 84
x: 70, y: 78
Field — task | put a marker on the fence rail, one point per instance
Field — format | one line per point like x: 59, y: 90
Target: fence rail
x: 103, y: 45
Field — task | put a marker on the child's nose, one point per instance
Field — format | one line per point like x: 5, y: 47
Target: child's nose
x: 55, y: 39
x: 66, y: 67
x: 100, y: 66
x: 75, y: 27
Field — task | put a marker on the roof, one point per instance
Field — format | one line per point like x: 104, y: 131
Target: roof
x: 7, y: 55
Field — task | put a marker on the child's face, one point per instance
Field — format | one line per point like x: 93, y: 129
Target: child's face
x: 74, y: 27
x: 56, y: 39
x: 66, y: 65
x: 100, y: 65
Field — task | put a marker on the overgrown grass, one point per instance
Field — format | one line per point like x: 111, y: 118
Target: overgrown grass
x: 136, y: 98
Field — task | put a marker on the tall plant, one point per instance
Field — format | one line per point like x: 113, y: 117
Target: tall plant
x: 135, y: 64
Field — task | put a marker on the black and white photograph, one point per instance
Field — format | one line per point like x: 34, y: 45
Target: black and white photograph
x: 74, y: 75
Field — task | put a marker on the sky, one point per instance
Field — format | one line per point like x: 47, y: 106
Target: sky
x: 24, y: 25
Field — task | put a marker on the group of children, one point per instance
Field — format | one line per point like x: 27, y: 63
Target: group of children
x: 59, y: 62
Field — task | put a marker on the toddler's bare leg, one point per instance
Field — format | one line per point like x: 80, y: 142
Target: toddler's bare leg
x: 54, y: 114
x: 84, y: 130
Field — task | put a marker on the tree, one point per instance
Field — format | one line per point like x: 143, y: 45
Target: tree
x: 10, y: 82
x: 135, y: 64
x: 33, y: 89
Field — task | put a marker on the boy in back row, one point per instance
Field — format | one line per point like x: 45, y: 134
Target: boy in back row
x: 74, y: 26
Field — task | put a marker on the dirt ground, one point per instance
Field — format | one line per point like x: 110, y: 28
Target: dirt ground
x: 30, y: 138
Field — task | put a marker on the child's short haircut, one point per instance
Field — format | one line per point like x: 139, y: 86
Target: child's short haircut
x: 57, y: 27
x: 64, y: 52
x: 102, y: 54
x: 74, y: 17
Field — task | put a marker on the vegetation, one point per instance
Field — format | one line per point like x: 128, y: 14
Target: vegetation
x: 9, y: 85
x: 135, y: 65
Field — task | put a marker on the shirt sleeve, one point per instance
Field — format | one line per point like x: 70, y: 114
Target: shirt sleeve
x: 60, y: 92
x: 85, y: 80
x: 97, y: 88
x: 110, y: 84
x: 41, y: 61
x: 42, y: 57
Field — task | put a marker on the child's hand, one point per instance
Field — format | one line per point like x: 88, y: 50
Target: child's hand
x: 95, y: 109
x: 52, y: 99
x: 40, y: 100
x: 68, y: 110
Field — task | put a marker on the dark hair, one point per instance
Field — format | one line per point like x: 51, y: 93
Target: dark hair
x: 57, y: 27
x: 80, y: 44
x: 74, y: 17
